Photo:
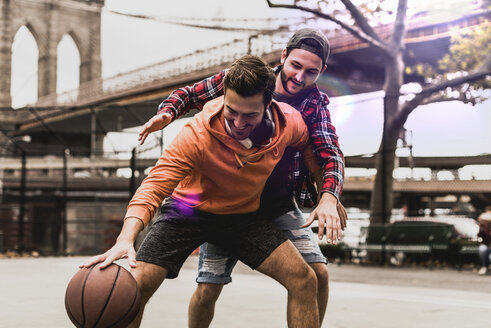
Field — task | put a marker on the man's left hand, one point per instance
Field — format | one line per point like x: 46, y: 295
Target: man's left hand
x: 326, y: 213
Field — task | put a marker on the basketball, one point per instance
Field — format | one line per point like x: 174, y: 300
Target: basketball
x: 102, y: 298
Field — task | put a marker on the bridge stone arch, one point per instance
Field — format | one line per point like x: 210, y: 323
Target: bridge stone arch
x: 49, y: 21
x: 29, y: 27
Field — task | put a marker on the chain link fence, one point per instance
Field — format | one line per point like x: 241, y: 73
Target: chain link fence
x: 72, y: 206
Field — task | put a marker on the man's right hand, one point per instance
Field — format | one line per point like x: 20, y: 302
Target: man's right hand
x: 122, y: 249
x: 158, y: 122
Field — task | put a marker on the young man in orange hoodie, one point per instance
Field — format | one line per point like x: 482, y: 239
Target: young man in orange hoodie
x: 214, y: 172
x: 302, y: 63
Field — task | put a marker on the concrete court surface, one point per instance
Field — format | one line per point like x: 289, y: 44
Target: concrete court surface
x: 32, y: 295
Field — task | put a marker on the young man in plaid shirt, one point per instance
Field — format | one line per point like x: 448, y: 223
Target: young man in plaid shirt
x: 302, y: 62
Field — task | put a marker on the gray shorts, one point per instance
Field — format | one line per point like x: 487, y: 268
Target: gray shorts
x: 180, y: 230
x: 216, y: 264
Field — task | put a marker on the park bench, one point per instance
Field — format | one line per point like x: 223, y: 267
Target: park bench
x: 407, y: 238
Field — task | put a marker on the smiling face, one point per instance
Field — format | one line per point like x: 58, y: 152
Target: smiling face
x: 300, y: 70
x: 243, y: 114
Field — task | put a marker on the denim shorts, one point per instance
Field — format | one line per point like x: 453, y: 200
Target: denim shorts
x: 216, y: 264
x: 180, y: 230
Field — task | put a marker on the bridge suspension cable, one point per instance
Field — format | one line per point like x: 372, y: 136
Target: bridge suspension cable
x: 282, y: 23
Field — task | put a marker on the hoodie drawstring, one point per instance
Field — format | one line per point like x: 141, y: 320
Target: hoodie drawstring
x: 241, y: 164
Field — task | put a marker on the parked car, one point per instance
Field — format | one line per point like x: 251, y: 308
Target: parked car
x: 466, y: 228
x: 358, y: 220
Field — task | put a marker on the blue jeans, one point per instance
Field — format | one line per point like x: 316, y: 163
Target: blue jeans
x: 484, y: 254
x: 216, y: 264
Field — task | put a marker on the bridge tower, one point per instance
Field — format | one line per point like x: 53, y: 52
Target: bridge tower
x: 48, y: 21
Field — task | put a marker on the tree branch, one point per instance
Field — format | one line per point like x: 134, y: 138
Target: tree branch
x: 397, y: 39
x: 360, y: 20
x: 438, y: 99
x: 421, y: 97
x: 476, y: 76
x: 357, y: 32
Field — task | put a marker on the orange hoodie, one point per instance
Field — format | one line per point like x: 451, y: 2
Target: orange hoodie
x: 202, y: 165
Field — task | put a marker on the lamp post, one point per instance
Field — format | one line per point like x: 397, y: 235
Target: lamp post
x: 22, y: 202
x: 66, y: 153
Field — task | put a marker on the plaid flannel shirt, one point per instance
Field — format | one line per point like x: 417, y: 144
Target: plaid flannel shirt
x: 316, y: 116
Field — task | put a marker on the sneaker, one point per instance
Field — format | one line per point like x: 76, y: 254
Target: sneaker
x: 482, y: 271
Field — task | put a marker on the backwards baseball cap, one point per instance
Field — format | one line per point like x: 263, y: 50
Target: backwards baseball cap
x: 300, y: 40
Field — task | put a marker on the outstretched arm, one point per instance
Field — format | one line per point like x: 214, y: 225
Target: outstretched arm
x: 326, y: 211
x: 181, y: 101
x: 177, y: 161
x: 329, y: 180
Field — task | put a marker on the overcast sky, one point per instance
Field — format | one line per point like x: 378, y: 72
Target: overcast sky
x: 127, y: 43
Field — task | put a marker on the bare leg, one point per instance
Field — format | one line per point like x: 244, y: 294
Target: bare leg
x: 322, y: 275
x: 149, y: 278
x: 287, y: 266
x: 202, y: 305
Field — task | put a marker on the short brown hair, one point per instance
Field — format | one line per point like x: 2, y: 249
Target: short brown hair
x: 250, y: 75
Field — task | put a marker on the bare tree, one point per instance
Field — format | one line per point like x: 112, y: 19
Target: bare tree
x: 396, y: 112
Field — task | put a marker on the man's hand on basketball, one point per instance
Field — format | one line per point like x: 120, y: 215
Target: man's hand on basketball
x: 124, y: 245
x: 329, y: 219
x: 122, y: 249
x: 158, y: 122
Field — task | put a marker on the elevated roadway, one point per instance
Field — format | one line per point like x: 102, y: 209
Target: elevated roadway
x: 109, y: 184
x: 87, y: 163
x: 434, y: 163
x: 100, y: 174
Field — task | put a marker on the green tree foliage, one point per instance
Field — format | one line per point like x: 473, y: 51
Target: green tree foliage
x: 468, y: 50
